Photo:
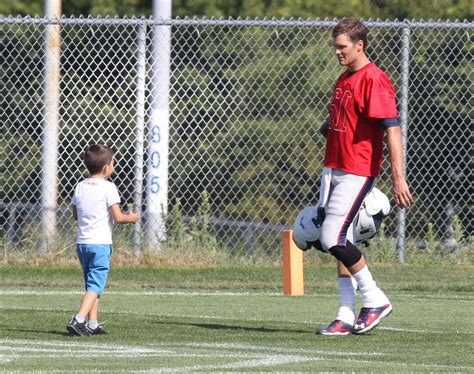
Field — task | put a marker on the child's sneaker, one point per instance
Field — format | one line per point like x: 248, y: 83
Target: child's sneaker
x: 369, y: 318
x: 99, y: 330
x: 77, y: 328
x: 336, y: 327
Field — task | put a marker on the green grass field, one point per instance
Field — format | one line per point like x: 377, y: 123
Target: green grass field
x: 234, y: 319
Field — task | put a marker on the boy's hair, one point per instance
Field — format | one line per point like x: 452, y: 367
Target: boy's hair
x: 354, y: 29
x: 96, y: 157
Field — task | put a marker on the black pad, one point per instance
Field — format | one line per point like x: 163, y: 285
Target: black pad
x: 348, y: 255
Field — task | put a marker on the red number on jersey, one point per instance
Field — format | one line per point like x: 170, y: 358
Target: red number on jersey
x: 338, y: 119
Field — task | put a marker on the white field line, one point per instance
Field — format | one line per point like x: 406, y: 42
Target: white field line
x: 139, y: 293
x: 167, y: 348
x: 281, y: 360
x: 433, y: 296
x: 248, y: 356
x: 234, y: 346
x: 269, y: 361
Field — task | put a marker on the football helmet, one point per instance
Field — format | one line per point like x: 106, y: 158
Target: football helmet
x: 375, y: 208
x: 306, y: 227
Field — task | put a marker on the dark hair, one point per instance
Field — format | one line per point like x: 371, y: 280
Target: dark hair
x: 96, y: 157
x: 354, y: 28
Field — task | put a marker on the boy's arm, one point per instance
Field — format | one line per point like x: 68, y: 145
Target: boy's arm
x: 120, y: 217
x: 74, y: 212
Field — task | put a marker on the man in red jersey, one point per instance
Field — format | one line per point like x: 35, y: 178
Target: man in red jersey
x: 362, y: 110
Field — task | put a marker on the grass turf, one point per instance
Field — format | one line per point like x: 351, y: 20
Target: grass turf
x: 234, y: 319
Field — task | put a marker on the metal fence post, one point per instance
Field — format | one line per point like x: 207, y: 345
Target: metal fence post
x: 49, y: 185
x: 404, y: 84
x: 140, y: 138
x: 158, y: 132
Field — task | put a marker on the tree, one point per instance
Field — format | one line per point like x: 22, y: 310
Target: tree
x: 383, y: 9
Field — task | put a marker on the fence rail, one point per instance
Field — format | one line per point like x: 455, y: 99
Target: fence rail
x: 245, y: 100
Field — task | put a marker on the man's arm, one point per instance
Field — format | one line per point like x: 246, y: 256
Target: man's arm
x: 401, y: 192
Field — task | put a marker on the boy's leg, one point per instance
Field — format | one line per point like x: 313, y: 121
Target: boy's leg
x: 88, y: 302
x: 94, y: 312
x: 78, y: 323
x: 97, y: 280
x: 93, y: 325
x: 95, y: 262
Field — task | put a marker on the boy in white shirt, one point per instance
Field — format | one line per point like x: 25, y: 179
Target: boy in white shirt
x: 96, y: 206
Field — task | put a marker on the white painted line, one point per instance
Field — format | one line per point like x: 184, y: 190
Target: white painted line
x: 269, y: 361
x: 434, y: 296
x: 248, y: 356
x: 139, y: 293
x: 233, y: 346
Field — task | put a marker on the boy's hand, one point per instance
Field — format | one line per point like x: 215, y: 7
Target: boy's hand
x: 133, y: 217
x: 121, y: 217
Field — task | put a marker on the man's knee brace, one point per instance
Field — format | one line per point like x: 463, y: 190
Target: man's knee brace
x: 348, y: 255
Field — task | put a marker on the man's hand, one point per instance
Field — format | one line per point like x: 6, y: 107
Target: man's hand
x: 401, y: 193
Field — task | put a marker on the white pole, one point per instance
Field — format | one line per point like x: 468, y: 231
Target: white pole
x: 49, y: 186
x: 158, y: 130
x: 139, y: 143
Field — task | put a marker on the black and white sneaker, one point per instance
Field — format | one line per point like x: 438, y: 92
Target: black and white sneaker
x: 77, y: 328
x: 99, y: 330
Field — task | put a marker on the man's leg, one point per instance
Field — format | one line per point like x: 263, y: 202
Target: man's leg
x: 347, y: 286
x: 375, y: 304
x: 346, y: 197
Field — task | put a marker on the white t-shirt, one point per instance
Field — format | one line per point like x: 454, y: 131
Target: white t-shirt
x: 93, y: 199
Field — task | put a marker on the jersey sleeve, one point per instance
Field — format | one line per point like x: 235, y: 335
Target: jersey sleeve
x: 380, y: 98
x: 112, y: 195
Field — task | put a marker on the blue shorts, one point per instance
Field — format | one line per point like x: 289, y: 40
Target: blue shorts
x: 95, y: 262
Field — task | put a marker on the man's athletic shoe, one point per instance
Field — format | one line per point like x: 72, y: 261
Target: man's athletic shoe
x: 336, y: 327
x: 77, y: 328
x: 99, y: 330
x: 369, y: 318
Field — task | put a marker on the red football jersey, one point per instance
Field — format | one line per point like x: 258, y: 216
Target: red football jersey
x: 355, y: 136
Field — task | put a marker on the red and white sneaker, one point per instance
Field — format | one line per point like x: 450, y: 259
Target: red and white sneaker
x: 369, y: 318
x: 336, y: 327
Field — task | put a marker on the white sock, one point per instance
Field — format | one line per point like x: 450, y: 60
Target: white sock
x: 79, y: 318
x: 347, y: 294
x: 93, y: 324
x: 372, y: 296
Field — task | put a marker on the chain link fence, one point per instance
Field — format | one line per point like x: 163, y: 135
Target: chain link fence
x: 245, y: 100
